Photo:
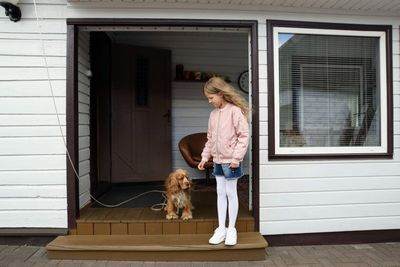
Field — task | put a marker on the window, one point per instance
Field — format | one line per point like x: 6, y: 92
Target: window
x: 330, y: 90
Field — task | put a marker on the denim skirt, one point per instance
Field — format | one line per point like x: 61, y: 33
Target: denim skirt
x: 223, y: 169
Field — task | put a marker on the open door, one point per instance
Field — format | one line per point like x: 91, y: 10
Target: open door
x: 140, y: 114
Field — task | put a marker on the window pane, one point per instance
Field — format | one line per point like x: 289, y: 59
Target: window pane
x: 329, y: 91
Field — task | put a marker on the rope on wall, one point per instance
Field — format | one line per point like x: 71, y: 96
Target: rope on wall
x: 158, y: 206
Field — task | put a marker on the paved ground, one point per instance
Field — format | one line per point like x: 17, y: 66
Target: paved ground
x: 379, y: 254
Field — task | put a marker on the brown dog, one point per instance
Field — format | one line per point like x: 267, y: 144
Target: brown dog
x: 178, y: 187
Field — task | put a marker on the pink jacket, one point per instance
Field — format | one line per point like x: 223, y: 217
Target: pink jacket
x: 228, y: 135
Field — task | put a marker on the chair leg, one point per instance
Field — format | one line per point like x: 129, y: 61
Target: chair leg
x: 207, y: 176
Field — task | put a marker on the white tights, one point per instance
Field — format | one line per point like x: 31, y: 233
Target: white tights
x: 227, y: 194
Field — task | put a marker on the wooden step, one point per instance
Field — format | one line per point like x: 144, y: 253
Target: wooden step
x: 251, y: 246
x: 155, y: 227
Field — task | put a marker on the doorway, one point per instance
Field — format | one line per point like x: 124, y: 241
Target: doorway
x: 188, y: 105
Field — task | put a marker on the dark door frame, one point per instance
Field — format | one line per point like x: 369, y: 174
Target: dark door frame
x: 72, y: 97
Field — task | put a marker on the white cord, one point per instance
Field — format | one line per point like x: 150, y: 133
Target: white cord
x: 132, y: 198
x: 63, y: 138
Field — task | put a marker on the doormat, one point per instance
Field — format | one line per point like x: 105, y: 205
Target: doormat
x: 123, y: 192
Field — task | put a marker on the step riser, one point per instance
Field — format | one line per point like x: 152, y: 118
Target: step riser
x: 217, y: 255
x: 155, y: 228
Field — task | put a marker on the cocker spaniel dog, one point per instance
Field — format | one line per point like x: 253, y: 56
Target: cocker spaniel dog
x: 178, y: 188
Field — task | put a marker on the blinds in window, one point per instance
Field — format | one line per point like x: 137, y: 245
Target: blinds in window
x: 328, y: 91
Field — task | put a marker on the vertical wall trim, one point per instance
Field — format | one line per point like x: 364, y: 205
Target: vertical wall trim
x: 271, y: 103
x: 255, y: 126
x: 72, y: 125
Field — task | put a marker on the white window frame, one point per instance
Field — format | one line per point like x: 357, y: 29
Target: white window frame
x: 383, y: 95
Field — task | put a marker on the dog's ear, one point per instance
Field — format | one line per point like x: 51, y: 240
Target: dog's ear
x: 171, y: 183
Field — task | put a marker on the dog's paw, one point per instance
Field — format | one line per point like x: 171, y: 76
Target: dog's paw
x: 186, y: 217
x: 171, y: 216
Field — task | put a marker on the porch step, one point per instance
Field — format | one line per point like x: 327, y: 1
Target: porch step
x: 251, y: 246
x: 155, y: 226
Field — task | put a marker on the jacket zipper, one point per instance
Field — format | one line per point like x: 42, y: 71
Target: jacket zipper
x: 216, y: 140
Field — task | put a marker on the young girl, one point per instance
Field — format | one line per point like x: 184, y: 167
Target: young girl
x: 228, y: 138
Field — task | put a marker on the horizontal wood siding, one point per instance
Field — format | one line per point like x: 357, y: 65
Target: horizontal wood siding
x: 295, y: 196
x: 222, y: 53
x: 84, y: 125
x: 325, y: 7
x: 32, y: 152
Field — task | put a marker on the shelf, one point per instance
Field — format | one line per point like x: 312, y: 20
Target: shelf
x: 193, y: 81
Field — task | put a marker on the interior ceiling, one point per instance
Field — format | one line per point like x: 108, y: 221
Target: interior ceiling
x: 127, y: 37
x: 371, y: 7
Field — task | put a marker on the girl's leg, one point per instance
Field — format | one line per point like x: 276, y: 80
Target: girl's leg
x: 233, y: 202
x: 222, y: 203
x: 231, y: 191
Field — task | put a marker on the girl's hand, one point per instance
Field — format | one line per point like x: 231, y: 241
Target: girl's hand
x: 234, y: 165
x: 201, y: 165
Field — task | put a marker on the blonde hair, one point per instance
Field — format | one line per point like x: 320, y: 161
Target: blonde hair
x: 217, y: 85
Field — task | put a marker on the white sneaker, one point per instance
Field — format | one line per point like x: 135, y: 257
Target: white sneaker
x: 218, y: 236
x: 231, y: 237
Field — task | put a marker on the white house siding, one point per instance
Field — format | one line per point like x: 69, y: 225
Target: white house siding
x: 32, y: 154
x: 222, y: 53
x: 308, y: 196
x: 84, y: 117
x: 295, y: 196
